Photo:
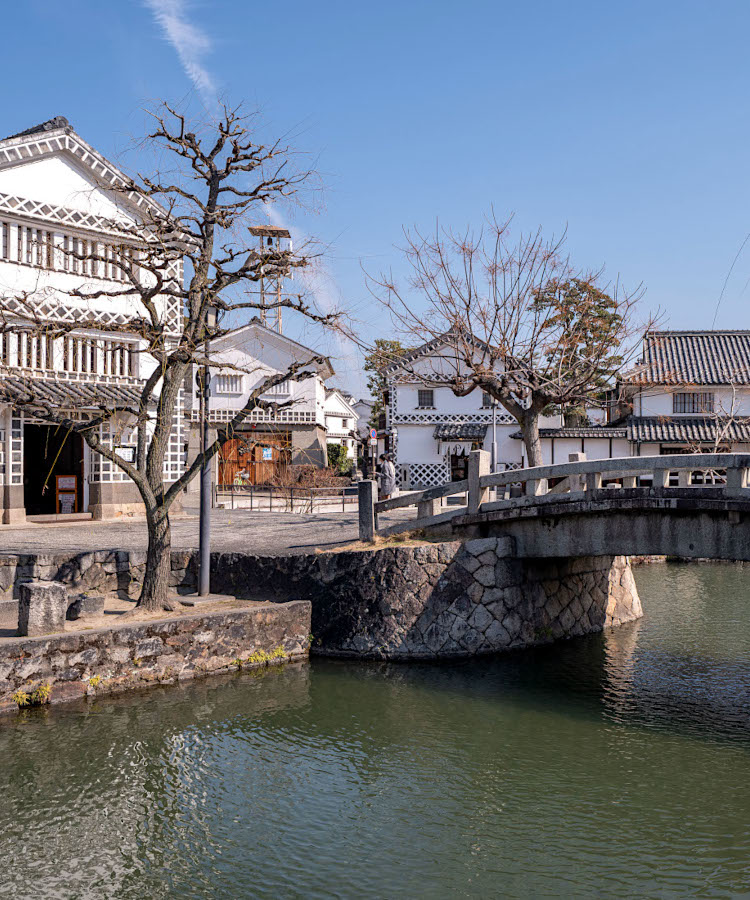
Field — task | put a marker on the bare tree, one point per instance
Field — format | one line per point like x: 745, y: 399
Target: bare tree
x: 516, y: 318
x: 194, y: 213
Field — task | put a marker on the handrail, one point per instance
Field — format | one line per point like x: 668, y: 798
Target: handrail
x: 584, y: 476
x: 630, y: 464
x: 435, y: 493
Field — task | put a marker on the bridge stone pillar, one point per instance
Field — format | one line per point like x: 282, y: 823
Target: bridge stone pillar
x: 479, y: 465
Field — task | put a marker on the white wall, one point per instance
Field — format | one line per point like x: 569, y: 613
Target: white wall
x: 594, y: 448
x: 660, y: 402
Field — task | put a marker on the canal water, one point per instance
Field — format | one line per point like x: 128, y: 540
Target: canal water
x: 616, y: 765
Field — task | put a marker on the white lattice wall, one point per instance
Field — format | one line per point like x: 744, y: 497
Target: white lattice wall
x: 174, y: 459
x: 16, y: 449
x: 424, y: 475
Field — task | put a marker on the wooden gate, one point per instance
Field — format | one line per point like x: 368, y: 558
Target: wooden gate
x: 255, y: 459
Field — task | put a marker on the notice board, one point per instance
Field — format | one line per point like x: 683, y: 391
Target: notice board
x: 66, y: 493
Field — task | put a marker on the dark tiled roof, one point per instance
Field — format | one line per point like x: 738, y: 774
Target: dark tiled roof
x: 693, y: 357
x: 452, y: 432
x: 68, y: 394
x: 594, y: 431
x: 687, y: 430
x: 49, y: 125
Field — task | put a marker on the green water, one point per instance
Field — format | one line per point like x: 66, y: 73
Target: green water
x: 611, y: 766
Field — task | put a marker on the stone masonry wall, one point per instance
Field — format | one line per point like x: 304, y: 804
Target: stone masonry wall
x: 398, y: 602
x: 124, y: 657
x: 441, y: 600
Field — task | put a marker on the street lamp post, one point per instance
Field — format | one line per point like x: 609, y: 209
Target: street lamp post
x: 204, y: 582
x: 493, y: 460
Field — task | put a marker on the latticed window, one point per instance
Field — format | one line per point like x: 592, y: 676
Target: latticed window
x: 693, y: 402
x: 426, y: 398
x: 228, y: 384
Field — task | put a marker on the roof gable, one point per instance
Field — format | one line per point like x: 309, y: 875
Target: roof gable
x: 432, y: 350
x: 271, y: 349
x: 53, y: 165
x: 336, y: 402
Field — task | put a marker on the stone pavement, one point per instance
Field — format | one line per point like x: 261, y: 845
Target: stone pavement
x: 260, y: 533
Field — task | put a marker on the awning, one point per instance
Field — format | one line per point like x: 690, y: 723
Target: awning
x: 453, y: 432
x: 65, y: 394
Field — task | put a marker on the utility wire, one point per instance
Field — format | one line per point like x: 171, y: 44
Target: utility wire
x: 726, y: 280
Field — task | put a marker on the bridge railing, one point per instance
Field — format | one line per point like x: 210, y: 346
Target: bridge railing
x: 714, y: 475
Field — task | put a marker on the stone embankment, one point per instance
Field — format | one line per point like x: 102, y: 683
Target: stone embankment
x: 441, y: 600
x: 125, y: 657
x: 430, y: 601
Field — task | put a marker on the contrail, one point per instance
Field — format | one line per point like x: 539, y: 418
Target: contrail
x: 190, y: 43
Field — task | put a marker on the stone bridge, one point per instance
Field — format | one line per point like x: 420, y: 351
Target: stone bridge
x: 688, y: 505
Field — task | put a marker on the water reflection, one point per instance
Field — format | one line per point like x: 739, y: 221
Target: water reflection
x: 615, y: 765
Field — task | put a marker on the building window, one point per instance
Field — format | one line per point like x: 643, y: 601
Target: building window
x: 6, y: 241
x: 281, y: 389
x: 228, y: 384
x: 426, y: 399
x: 487, y: 401
x: 693, y: 402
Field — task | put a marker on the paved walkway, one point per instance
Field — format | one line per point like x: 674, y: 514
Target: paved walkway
x: 262, y: 533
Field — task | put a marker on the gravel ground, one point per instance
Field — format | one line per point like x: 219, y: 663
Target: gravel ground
x: 262, y: 533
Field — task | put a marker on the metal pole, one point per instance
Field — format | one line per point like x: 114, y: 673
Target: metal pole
x: 204, y: 586
x: 493, y: 467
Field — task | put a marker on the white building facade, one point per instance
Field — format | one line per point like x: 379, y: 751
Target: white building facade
x: 54, y: 201
x: 690, y: 392
x: 268, y: 441
x: 342, y: 421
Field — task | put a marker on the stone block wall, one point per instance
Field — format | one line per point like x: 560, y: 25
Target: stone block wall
x: 125, y: 657
x: 400, y: 602
x: 103, y: 572
x: 441, y: 600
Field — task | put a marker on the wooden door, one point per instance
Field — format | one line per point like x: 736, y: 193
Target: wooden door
x: 230, y: 461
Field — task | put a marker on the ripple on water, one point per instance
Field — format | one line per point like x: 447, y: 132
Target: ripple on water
x: 615, y: 765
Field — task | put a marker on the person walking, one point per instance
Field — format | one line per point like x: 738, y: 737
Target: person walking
x: 386, y: 477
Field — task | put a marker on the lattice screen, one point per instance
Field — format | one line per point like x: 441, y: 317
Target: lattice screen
x: 16, y: 449
x: 174, y: 459
x: 424, y: 475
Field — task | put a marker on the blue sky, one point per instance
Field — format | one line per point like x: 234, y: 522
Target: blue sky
x: 627, y: 123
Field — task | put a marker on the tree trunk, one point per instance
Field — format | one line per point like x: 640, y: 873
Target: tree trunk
x: 155, y: 593
x: 533, y: 443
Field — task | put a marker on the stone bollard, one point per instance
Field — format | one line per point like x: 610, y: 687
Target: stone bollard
x: 41, y: 608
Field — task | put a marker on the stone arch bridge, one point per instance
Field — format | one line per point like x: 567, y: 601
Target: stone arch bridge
x: 687, y: 505
x: 535, y: 555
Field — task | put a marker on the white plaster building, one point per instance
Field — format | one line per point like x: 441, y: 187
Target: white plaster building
x: 432, y: 431
x: 363, y: 408
x: 53, y: 199
x: 341, y: 420
x: 690, y: 391
x: 266, y: 442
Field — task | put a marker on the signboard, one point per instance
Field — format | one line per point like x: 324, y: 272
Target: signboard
x: 66, y: 503
x: 267, y: 454
x: 126, y: 453
x: 66, y: 493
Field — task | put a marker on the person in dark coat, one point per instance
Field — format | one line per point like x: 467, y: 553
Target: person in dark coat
x: 386, y: 478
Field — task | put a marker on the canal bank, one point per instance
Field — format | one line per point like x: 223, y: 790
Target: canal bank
x: 405, y: 602
x: 133, y: 655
